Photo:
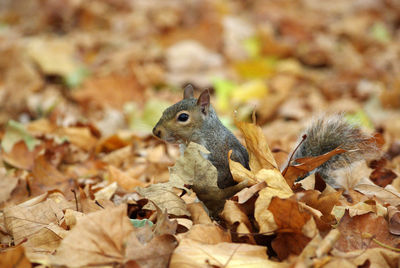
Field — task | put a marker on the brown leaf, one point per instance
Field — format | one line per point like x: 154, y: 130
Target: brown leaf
x: 260, y: 155
x: 7, y: 185
x: 99, y: 238
x: 379, y: 257
x: 79, y: 136
x: 164, y: 225
x: 207, y: 234
x: 307, y: 164
x: 164, y: 197
x: 20, y: 156
x: 288, y: 215
x: 238, y: 221
x: 47, y: 177
x: 244, y: 195
x: 155, y: 253
x: 385, y: 195
x: 38, y: 220
x: 277, y: 187
x: 111, y: 90
x: 381, y: 175
x: 286, y: 244
x: 45, y: 173
x: 394, y: 220
x: 322, y: 202
x: 191, y: 254
x: 14, y: 258
x: 44, y: 243
x: 123, y: 179
x: 355, y: 232
x: 27, y: 219
x: 198, y: 213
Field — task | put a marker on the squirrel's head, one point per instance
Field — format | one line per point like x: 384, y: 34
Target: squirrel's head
x: 179, y: 121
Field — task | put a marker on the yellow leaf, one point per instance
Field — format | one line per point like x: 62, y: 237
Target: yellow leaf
x: 259, y: 152
x: 253, y: 89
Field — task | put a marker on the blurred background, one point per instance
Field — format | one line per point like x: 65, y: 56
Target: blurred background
x: 116, y: 65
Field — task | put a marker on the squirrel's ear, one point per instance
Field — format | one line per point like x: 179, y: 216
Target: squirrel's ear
x: 204, y: 101
x: 188, y: 91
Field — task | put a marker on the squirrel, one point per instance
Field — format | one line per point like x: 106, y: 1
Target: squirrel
x: 195, y: 120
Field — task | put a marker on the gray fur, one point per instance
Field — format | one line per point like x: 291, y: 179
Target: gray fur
x: 329, y: 133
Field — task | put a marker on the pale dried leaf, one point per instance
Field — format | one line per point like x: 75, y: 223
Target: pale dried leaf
x: 102, y: 237
x: 191, y: 253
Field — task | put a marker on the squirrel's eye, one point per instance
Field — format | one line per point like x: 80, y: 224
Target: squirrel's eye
x: 183, y: 117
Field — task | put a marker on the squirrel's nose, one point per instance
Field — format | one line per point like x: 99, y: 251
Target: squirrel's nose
x: 157, y: 132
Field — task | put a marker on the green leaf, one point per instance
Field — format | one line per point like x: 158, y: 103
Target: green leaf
x: 141, y: 223
x: 223, y: 90
x: 252, y: 46
x: 16, y: 132
x: 380, y: 32
x: 359, y: 118
x: 145, y: 120
x: 76, y: 78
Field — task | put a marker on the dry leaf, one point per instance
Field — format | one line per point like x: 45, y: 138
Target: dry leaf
x: 198, y: 213
x: 286, y: 244
x: 288, y: 215
x: 278, y: 187
x: 123, y: 179
x: 24, y: 221
x: 378, y: 257
x: 107, y: 192
x: 81, y: 246
x: 355, y: 232
x: 14, y: 258
x: 79, y: 136
x: 394, y: 220
x: 110, y: 91
x: 165, y: 198
x: 244, y: 195
x: 322, y: 202
x: 7, y: 185
x: 191, y: 254
x: 164, y: 224
x: 207, y: 234
x: 20, y: 156
x: 44, y: 243
x: 307, y: 164
x: 259, y: 152
x: 238, y: 221
x: 384, y: 194
x: 156, y: 253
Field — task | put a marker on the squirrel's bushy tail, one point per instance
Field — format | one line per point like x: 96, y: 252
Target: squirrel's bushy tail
x: 330, y: 132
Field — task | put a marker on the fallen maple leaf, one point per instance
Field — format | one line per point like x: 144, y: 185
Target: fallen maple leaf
x: 260, y: 156
x: 356, y: 232
x: 82, y: 246
x: 322, y: 202
x: 207, y: 234
x: 277, y: 187
x: 394, y: 220
x: 191, y: 253
x: 198, y: 213
x: 7, y: 184
x: 123, y: 179
x: 386, y: 195
x: 15, y: 258
x: 238, y: 221
x: 306, y: 165
x: 20, y: 156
